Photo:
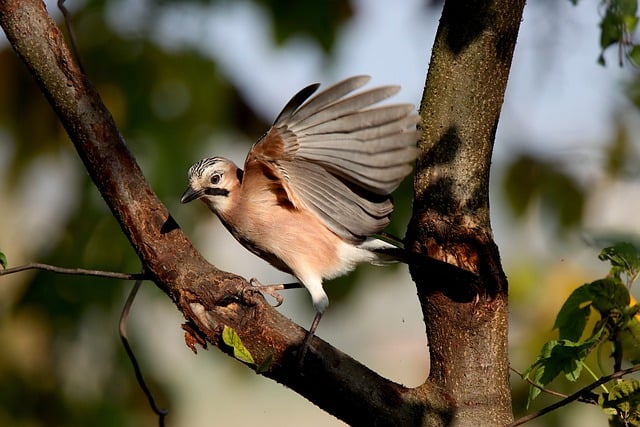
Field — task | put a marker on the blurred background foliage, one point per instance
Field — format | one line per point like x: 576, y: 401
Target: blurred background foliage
x: 167, y: 102
x: 61, y: 362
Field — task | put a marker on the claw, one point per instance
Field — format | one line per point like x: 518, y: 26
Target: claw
x: 271, y: 290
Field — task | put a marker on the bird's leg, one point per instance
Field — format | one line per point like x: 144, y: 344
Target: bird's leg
x: 307, y: 340
x: 272, y: 290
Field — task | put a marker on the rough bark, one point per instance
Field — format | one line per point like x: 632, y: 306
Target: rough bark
x: 466, y: 322
x: 208, y: 298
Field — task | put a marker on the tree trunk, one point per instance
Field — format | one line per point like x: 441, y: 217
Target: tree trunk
x: 466, y: 322
x: 466, y: 319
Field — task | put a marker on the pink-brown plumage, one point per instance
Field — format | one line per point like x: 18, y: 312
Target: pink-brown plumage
x: 316, y: 187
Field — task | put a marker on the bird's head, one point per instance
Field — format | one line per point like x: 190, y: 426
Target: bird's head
x: 213, y: 180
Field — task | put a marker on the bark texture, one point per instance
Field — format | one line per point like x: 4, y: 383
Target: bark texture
x: 466, y: 318
x: 208, y: 298
x: 466, y: 321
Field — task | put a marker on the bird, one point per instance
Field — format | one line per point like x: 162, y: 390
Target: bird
x: 315, y: 191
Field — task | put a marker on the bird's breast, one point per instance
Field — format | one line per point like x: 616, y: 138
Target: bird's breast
x: 290, y: 239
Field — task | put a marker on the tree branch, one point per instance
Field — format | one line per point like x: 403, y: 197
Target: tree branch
x: 122, y: 328
x: 466, y: 322
x: 71, y: 32
x: 73, y: 271
x: 539, y: 387
x: 208, y: 298
x: 578, y: 395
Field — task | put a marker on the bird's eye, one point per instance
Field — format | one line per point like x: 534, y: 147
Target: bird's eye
x: 215, y: 179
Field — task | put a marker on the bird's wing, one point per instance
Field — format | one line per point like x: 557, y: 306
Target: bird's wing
x: 338, y: 157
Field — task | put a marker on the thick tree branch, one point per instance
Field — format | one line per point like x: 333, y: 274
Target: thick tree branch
x: 208, y: 298
x: 466, y: 322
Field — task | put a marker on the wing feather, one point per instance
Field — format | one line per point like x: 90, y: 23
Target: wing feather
x: 345, y: 108
x: 350, y: 215
x: 326, y: 97
x: 339, y: 157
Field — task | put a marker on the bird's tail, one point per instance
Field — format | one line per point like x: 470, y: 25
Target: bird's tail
x: 388, y: 249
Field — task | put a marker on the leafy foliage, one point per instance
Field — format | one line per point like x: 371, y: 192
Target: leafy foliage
x: 618, y: 324
x: 292, y: 17
x: 622, y: 403
x: 629, y: 336
x: 530, y: 178
x: 170, y: 102
x: 618, y: 23
x: 560, y: 356
x: 624, y: 259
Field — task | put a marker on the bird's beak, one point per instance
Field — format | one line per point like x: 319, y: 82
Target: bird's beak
x: 191, y: 194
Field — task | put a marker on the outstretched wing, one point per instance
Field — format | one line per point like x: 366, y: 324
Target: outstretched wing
x: 338, y: 156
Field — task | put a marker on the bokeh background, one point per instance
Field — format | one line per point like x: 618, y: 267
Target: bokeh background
x: 190, y: 79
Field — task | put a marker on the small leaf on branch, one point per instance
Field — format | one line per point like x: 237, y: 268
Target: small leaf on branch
x: 559, y: 356
x: 619, y: 22
x: 629, y: 337
x: 624, y: 258
x: 634, y: 55
x: 572, y: 317
x: 623, y: 402
x: 604, y: 295
x: 3, y: 261
x: 232, y: 339
x: 609, y: 294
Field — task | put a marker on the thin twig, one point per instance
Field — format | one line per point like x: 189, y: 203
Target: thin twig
x: 72, y: 33
x: 575, y: 396
x: 538, y: 386
x: 161, y: 412
x: 138, y: 277
x: 73, y: 271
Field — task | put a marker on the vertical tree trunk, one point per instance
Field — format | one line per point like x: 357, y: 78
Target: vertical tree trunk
x: 466, y: 323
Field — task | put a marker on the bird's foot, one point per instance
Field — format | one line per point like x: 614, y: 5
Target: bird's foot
x: 271, y: 290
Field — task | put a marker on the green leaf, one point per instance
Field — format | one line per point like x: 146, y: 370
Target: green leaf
x: 623, y: 402
x: 292, y: 18
x: 624, y: 258
x: 3, y: 261
x: 572, y: 317
x: 604, y: 295
x: 624, y: 7
x: 559, y: 356
x: 625, y: 390
x: 634, y: 55
x: 609, y: 294
x: 629, y: 337
x: 619, y: 19
x: 601, y: 60
x: 530, y: 178
x: 521, y: 183
x: 240, y: 352
x: 611, y: 29
x: 630, y: 23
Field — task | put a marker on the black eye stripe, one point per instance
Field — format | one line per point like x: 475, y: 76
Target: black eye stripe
x: 216, y: 192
